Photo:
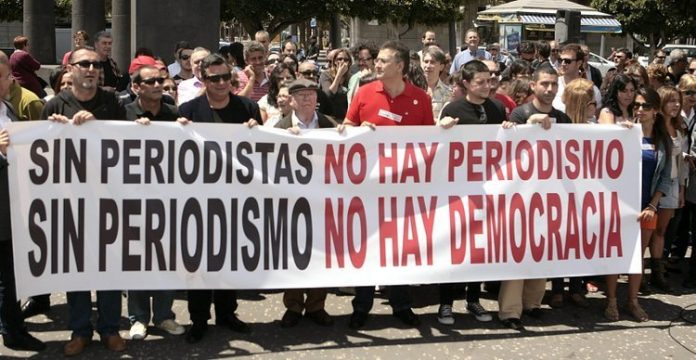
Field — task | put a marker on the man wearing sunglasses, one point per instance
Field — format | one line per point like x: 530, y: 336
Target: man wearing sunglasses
x: 217, y: 104
x: 189, y: 89
x: 184, y: 60
x: 150, y: 103
x: 175, y: 67
x: 86, y: 101
x: 570, y: 62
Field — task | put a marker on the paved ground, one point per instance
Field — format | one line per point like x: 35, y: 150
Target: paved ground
x: 571, y: 333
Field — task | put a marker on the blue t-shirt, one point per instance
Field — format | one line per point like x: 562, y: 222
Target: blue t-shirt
x: 649, y: 165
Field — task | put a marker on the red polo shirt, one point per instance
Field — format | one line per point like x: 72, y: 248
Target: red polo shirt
x: 373, y: 104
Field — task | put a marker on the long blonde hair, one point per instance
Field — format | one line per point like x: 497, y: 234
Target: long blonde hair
x: 668, y: 93
x: 577, y: 96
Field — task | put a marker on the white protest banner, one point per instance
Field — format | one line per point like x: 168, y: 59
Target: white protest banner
x: 116, y: 205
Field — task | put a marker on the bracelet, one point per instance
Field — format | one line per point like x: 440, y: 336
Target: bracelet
x: 652, y: 207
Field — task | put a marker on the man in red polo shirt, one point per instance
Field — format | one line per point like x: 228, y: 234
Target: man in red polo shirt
x: 390, y: 100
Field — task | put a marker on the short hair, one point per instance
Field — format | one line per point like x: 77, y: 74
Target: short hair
x: 471, y: 68
x: 370, y: 46
x: 74, y: 53
x: 526, y: 47
x: 181, y: 45
x: 687, y: 81
x: 402, y: 53
x: 81, y: 33
x: 658, y: 72
x: 657, y: 51
x: 210, y: 60
x: 471, y: 30
x: 102, y: 34
x: 137, y: 76
x: 253, y: 46
x: 543, y: 69
x: 677, y: 55
x: 629, y: 54
x: 20, y: 42
x: 286, y: 43
x: 428, y: 31
x: 544, y: 49
x: 579, y: 54
x: 200, y: 49
x: 262, y: 33
x: 435, y: 53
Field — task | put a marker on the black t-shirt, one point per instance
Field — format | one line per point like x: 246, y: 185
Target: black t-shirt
x: 523, y: 112
x: 167, y: 112
x: 490, y: 112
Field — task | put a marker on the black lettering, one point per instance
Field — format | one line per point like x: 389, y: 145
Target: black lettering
x: 154, y: 235
x: 130, y: 160
x: 37, y: 260
x: 108, y: 209
x: 264, y: 149
x: 301, y: 208
x: 72, y: 236
x: 109, y: 158
x: 303, y: 151
x: 243, y: 149
x: 38, y: 147
x: 212, y: 153
x: 189, y: 146
x: 78, y: 162
x: 192, y: 209
x: 283, y: 167
x: 275, y: 234
x: 154, y: 153
x: 216, y: 209
x: 250, y: 258
x: 130, y: 233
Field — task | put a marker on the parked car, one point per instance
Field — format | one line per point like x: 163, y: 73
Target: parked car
x: 601, y: 63
x: 690, y: 50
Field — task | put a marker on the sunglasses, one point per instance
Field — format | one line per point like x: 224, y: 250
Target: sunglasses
x: 217, y: 78
x: 184, y: 56
x: 153, y: 80
x: 169, y: 88
x: 308, y: 73
x: 644, y: 105
x: 566, y: 61
x: 689, y: 92
x: 86, y: 64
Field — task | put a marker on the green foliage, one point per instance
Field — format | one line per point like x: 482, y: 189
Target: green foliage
x: 652, y: 22
x: 274, y: 15
x: 12, y: 10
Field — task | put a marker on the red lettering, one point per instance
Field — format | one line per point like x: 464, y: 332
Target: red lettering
x: 387, y: 162
x: 524, y: 147
x: 497, y: 230
x: 592, y: 161
x: 410, y: 235
x: 357, y: 150
x: 573, y: 169
x: 474, y: 160
x: 428, y: 218
x: 615, y: 148
x: 614, y: 235
x: 388, y: 230
x: 456, y: 158
x: 333, y: 232
x: 428, y: 158
x: 478, y: 254
x: 457, y: 248
x: 494, y: 155
x: 536, y: 205
x: 410, y: 166
x: 588, y: 244
x: 545, y: 154
x: 572, y: 233
x: 517, y: 206
x: 553, y: 225
x: 356, y: 208
x: 334, y: 164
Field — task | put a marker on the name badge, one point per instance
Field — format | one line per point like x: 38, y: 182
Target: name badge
x: 645, y: 146
x: 389, y: 115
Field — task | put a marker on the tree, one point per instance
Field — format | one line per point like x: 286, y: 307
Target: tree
x: 275, y: 15
x: 652, y: 23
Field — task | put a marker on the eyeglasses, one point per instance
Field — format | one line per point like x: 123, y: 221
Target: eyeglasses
x: 184, y: 56
x: 272, y: 61
x: 153, y: 80
x: 86, y: 64
x: 169, y: 88
x: 218, y: 77
x: 566, y: 61
x: 689, y: 92
x: 482, y: 114
x: 644, y: 105
x: 308, y: 73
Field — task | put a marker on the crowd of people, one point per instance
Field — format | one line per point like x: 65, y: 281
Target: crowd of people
x: 390, y: 85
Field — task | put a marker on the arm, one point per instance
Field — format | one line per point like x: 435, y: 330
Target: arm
x: 606, y: 117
